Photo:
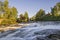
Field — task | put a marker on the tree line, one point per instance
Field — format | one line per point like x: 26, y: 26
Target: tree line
x: 54, y: 15
x: 23, y: 18
x: 9, y: 15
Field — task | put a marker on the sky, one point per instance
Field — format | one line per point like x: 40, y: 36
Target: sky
x: 32, y: 6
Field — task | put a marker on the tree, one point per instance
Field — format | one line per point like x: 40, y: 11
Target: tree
x: 32, y: 18
x: 26, y: 16
x: 8, y: 14
x: 6, y: 3
x: 58, y: 6
x: 39, y: 14
x: 13, y: 13
x: 1, y: 9
x: 56, y: 10
x: 22, y: 18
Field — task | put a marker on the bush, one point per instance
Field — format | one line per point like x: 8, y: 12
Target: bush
x: 7, y: 22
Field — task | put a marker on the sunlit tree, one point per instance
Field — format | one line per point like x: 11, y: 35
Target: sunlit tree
x: 26, y: 16
x: 39, y: 14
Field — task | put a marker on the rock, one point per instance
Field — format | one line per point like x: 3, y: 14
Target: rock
x: 50, y: 34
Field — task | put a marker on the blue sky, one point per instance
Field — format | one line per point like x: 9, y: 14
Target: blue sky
x: 32, y: 6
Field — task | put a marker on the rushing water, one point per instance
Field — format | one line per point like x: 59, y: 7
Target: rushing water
x: 35, y: 31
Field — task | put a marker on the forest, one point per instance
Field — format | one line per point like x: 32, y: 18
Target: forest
x: 9, y: 15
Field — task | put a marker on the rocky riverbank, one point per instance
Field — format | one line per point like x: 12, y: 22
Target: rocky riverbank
x: 12, y: 27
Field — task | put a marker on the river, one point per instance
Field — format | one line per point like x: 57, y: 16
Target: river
x: 35, y: 31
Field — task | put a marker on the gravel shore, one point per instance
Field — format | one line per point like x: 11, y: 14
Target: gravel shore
x: 12, y: 27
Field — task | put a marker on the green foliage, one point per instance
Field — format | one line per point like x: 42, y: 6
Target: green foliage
x: 14, y: 12
x: 5, y: 22
x: 26, y: 16
x: 23, y: 18
x: 56, y: 9
x: 39, y: 14
x: 53, y: 16
x: 8, y: 22
x: 32, y: 18
x: 6, y: 3
x: 7, y: 13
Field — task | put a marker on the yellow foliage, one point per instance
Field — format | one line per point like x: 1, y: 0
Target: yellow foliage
x: 1, y: 20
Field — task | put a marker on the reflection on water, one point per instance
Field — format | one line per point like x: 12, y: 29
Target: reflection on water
x: 35, y: 31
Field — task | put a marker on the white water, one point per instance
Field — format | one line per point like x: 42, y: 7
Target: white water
x: 32, y: 31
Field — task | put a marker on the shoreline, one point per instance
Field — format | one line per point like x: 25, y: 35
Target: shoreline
x: 13, y: 27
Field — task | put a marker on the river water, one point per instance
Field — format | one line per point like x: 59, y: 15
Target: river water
x: 34, y: 31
